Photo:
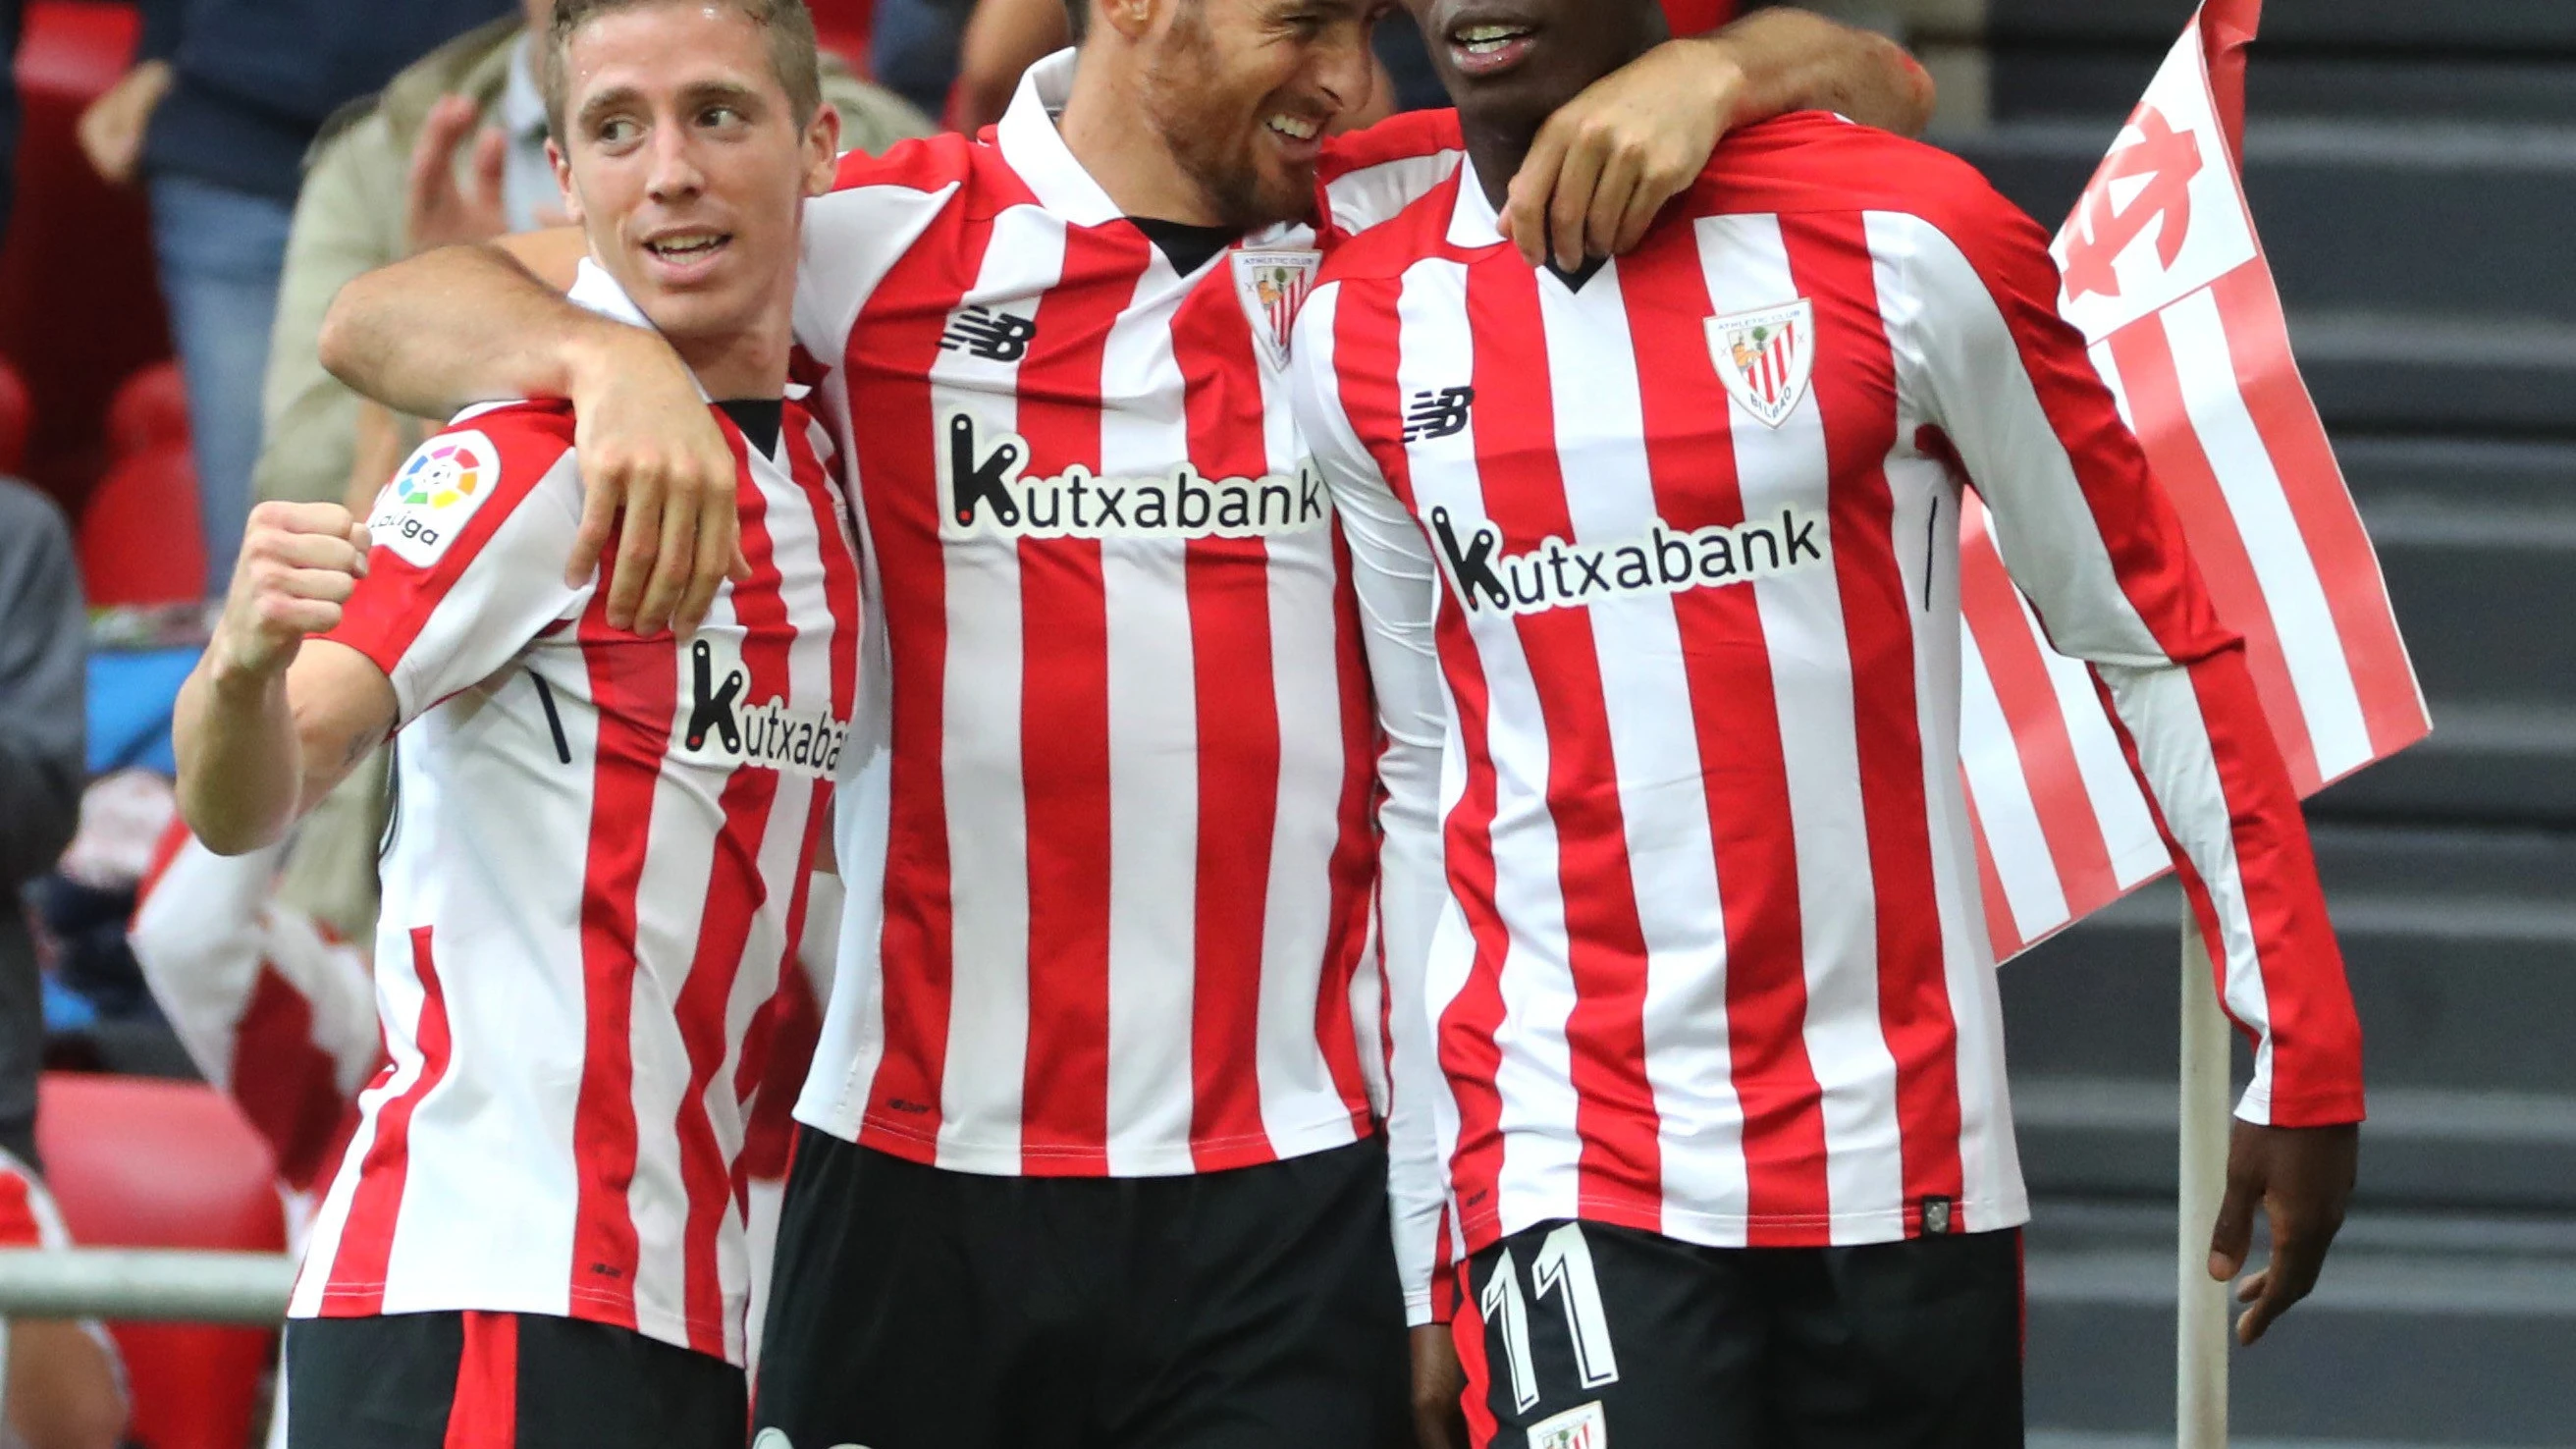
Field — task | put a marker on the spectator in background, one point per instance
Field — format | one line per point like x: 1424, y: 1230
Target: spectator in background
x: 61, y: 1386
x: 43, y: 647
x: 915, y: 48
x: 215, y: 117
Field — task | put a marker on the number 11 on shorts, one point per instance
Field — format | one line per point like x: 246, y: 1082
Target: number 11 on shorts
x: 1564, y: 1268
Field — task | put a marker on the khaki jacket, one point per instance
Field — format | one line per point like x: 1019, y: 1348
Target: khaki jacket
x: 350, y: 219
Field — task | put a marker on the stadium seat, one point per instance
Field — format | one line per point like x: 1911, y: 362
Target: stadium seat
x: 139, y: 542
x: 80, y: 308
x: 844, y: 27
x: 155, y: 1164
x: 149, y: 409
x: 16, y: 416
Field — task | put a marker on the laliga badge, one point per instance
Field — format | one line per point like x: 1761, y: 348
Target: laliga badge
x: 421, y: 511
x: 1273, y: 285
x: 1764, y: 358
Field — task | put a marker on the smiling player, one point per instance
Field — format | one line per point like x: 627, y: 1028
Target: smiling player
x: 601, y: 857
x: 1662, y: 557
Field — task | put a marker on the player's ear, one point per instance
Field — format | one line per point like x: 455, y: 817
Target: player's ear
x: 1134, y: 19
x: 562, y: 164
x: 822, y: 150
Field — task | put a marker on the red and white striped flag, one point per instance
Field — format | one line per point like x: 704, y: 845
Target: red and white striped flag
x: 2167, y: 281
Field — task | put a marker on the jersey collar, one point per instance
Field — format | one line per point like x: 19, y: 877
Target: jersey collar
x: 1036, y: 151
x: 1473, y: 224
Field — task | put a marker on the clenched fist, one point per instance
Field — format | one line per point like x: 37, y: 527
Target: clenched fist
x: 299, y: 564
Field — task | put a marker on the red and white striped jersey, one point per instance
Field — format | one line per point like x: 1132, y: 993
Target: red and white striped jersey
x: 1664, y: 565
x: 598, y: 870
x: 1106, y: 830
x: 275, y: 1010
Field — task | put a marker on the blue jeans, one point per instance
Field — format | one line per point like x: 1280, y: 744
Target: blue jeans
x: 220, y: 251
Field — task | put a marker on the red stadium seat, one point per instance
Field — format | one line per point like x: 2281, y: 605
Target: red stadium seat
x: 139, y: 542
x: 142, y: 1163
x: 80, y: 306
x: 16, y: 416
x: 149, y: 409
x: 844, y: 27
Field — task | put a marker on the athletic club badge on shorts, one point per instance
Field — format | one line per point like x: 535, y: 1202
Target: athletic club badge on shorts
x: 1581, y: 1427
x: 1764, y: 358
x: 1273, y: 285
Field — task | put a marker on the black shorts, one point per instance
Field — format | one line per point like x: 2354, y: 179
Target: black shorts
x: 915, y: 1308
x: 502, y: 1381
x: 1907, y: 1345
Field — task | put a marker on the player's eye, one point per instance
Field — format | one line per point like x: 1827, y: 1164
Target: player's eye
x: 721, y: 118
x: 617, y: 131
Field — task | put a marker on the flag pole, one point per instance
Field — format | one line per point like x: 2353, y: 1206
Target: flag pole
x: 2200, y: 1305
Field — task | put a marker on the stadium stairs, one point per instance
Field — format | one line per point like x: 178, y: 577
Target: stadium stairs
x: 2412, y: 168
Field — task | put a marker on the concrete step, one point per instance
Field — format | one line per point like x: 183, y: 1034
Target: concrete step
x: 2490, y: 27
x: 2425, y: 1330
x: 2033, y: 82
x: 2460, y: 947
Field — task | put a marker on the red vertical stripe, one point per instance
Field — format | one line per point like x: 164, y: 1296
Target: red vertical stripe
x: 2144, y: 357
x: 1736, y: 717
x: 2001, y: 929
x: 2040, y: 737
x: 1467, y: 1331
x: 1855, y: 387
x: 1524, y: 489
x: 485, y: 1412
x: 896, y: 480
x: 1354, y: 863
x: 286, y: 1086
x: 737, y: 889
x: 2258, y: 342
x: 1228, y: 583
x: 1064, y: 718
x: 635, y: 685
x: 357, y: 1284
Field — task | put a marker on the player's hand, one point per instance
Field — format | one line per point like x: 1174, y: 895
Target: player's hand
x: 1606, y: 162
x: 111, y: 128
x: 443, y: 209
x: 2302, y: 1178
x: 299, y: 564
x: 1439, y: 1389
x: 649, y: 451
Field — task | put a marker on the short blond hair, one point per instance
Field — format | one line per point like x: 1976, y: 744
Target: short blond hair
x: 794, y: 54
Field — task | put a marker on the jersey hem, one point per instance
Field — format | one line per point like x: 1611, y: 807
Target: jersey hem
x: 1487, y: 1226
x: 679, y: 1330
x: 986, y: 1159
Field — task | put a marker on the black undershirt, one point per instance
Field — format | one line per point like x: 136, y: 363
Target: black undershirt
x: 760, y: 419
x: 1188, y: 247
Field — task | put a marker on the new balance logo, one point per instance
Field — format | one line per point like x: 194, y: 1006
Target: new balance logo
x: 1438, y: 414
x: 980, y: 476
x: 985, y: 333
x: 1558, y: 575
x: 726, y: 732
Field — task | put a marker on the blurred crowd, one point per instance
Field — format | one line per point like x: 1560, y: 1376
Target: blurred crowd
x: 216, y: 170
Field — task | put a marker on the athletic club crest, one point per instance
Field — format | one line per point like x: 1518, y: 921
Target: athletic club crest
x: 1764, y: 358
x: 1274, y: 285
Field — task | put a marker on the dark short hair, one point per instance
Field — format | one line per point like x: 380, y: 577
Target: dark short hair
x: 1077, y: 19
x: 786, y: 24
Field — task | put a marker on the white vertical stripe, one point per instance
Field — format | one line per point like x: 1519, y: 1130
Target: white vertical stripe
x: 988, y: 858
x: 2024, y: 866
x: 2310, y: 642
x: 1153, y: 750
x: 1539, y: 1175
x: 1610, y: 493
x: 1746, y: 266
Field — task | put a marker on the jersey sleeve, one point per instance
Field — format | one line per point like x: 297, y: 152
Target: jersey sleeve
x: 2097, y: 547
x: 272, y: 1008
x: 466, y: 558
x: 1398, y: 586
x: 1370, y: 177
x: 878, y: 209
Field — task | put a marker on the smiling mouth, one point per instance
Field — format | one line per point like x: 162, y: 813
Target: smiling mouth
x: 1299, y: 129
x: 686, y: 248
x: 1488, y: 49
